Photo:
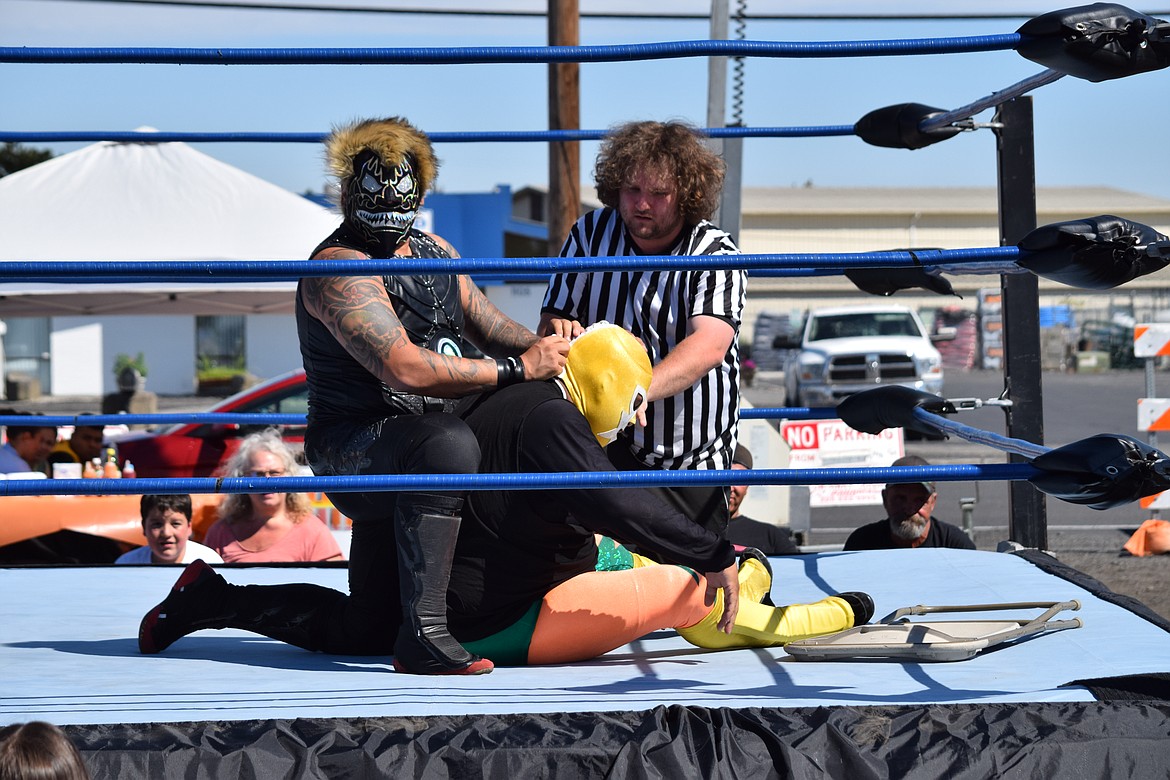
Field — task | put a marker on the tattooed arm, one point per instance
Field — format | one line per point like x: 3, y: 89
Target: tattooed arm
x: 496, y: 333
x: 359, y: 314
x: 489, y: 328
x: 485, y: 325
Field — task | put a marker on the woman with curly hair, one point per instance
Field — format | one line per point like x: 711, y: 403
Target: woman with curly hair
x: 268, y: 527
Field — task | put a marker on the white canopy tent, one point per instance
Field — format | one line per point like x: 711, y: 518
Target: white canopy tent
x: 144, y: 201
x: 151, y: 202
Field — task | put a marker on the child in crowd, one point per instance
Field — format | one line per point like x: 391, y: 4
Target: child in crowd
x: 166, y: 522
x: 39, y: 751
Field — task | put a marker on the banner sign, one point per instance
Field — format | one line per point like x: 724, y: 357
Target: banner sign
x: 833, y: 444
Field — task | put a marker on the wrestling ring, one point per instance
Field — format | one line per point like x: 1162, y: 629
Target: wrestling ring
x: 1084, y: 701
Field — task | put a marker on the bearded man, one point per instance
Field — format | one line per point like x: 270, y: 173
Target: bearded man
x: 909, y: 520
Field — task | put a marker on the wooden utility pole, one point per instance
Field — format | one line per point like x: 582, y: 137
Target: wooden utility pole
x: 564, y: 113
x: 727, y: 216
x: 717, y: 77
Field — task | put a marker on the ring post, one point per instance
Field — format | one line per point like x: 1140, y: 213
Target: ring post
x: 1016, y: 156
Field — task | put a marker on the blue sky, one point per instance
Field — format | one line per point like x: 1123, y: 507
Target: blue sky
x: 1087, y: 134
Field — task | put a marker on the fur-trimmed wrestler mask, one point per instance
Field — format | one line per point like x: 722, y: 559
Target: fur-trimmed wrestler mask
x: 384, y: 167
x: 381, y: 202
x: 607, y: 376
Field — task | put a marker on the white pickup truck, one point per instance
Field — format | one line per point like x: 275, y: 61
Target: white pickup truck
x: 842, y: 351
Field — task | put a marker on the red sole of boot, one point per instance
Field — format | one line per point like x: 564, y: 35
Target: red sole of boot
x: 481, y: 666
x: 146, y: 644
x: 146, y: 631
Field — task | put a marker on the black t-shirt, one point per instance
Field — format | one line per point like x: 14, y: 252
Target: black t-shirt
x: 876, y: 536
x: 765, y: 537
x: 516, y: 545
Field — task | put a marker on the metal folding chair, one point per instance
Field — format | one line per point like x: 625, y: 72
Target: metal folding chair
x: 895, y: 636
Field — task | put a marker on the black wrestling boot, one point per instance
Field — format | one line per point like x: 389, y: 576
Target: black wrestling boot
x: 201, y: 599
x: 426, y: 527
x: 194, y: 602
x: 860, y: 603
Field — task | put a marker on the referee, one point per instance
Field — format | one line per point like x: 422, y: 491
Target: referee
x: 660, y: 184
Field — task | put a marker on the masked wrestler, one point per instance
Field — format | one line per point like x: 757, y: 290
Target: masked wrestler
x: 383, y: 355
x: 523, y: 587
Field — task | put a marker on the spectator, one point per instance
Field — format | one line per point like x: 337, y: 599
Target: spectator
x: 743, y: 531
x: 39, y: 751
x: 909, y: 519
x: 166, y: 523
x: 268, y: 527
x: 27, y: 446
x: 83, y: 445
x: 660, y: 184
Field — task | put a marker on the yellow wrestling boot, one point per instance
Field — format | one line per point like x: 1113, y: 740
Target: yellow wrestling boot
x: 759, y: 626
x: 755, y: 577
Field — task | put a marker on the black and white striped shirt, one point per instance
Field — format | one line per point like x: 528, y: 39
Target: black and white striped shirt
x: 697, y: 428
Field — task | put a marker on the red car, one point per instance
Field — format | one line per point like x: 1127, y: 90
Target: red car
x: 199, y: 449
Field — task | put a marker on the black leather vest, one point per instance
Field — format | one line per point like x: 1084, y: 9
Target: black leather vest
x: 428, y: 307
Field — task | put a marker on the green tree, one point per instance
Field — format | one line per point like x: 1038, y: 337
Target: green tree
x: 14, y: 157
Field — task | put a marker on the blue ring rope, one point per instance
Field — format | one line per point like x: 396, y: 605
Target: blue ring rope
x: 783, y: 413
x: 508, y: 54
x: 497, y: 277
x: 273, y: 418
x: 207, y: 271
x: 480, y: 278
x: 544, y: 481
x: 156, y: 418
x: 486, y: 136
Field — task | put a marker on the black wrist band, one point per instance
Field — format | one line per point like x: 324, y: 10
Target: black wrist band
x: 509, y: 371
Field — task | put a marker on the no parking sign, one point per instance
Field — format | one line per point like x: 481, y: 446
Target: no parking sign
x: 833, y: 444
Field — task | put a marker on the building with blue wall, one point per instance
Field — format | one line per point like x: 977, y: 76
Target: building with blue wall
x: 484, y: 224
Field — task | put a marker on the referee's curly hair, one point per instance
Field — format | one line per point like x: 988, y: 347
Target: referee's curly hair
x: 675, y: 147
